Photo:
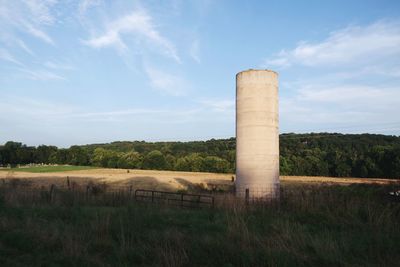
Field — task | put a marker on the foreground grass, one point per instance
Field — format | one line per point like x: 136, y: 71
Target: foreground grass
x: 43, y: 169
x: 312, y: 226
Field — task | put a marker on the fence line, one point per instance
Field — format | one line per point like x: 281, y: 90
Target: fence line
x: 94, y: 194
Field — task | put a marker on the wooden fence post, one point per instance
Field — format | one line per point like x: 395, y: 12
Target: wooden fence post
x: 181, y: 200
x: 51, y: 193
x: 87, y: 192
x: 68, y: 183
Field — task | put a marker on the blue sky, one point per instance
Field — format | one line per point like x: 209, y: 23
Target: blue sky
x: 78, y: 72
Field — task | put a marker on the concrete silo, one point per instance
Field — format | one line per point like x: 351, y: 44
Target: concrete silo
x: 257, y: 134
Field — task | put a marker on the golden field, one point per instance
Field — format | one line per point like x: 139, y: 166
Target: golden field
x: 160, y: 180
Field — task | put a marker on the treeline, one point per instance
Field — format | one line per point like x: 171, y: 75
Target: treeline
x: 210, y: 156
x: 322, y: 154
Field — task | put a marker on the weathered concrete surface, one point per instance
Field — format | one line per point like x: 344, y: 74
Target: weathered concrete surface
x: 257, y: 134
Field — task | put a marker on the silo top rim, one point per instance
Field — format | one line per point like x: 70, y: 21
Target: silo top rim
x: 253, y: 70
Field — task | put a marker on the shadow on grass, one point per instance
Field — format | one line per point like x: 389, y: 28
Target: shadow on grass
x: 145, y: 182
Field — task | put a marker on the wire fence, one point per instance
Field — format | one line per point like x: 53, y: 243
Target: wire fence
x: 175, y: 199
x: 59, y: 195
x: 21, y: 192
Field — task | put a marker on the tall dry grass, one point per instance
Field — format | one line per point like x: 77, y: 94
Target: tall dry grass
x: 312, y: 225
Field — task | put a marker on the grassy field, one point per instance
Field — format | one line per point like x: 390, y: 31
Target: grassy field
x: 320, y: 221
x: 46, y: 169
x: 313, y: 225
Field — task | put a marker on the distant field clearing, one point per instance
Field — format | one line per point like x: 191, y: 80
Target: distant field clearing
x: 51, y: 168
x: 149, y: 179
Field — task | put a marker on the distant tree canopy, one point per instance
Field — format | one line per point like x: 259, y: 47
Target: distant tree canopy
x: 319, y: 154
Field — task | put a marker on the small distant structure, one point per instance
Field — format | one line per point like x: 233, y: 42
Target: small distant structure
x: 257, y: 135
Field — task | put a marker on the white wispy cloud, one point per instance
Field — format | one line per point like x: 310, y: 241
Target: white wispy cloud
x: 84, y: 5
x: 353, y: 45
x: 64, y: 124
x: 166, y: 82
x: 6, y: 56
x: 24, y: 47
x: 30, y: 16
x: 117, y: 113
x: 38, y: 33
x: 138, y: 24
x: 221, y: 105
x: 195, y: 51
x: 347, y: 105
x: 352, y: 96
x: 21, y: 18
x: 349, y: 78
x: 42, y: 75
x: 41, y: 10
x: 58, y: 65
x: 28, y: 108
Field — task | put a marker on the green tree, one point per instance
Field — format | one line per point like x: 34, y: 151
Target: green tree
x: 104, y: 158
x: 113, y: 159
x: 192, y: 162
x: 78, y: 156
x: 215, y: 164
x: 10, y: 152
x: 155, y: 160
x: 284, y: 166
x: 171, y: 161
x: 61, y: 156
x: 130, y: 160
x: 43, y: 153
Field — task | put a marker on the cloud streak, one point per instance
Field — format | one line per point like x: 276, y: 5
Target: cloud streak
x: 165, y: 82
x: 6, y: 56
x: 345, y: 105
x: 195, y: 51
x: 65, y: 124
x: 85, y: 5
x: 138, y: 24
x: 42, y: 75
x: 349, y: 78
x: 29, y: 16
x: 220, y: 105
x: 58, y: 66
x: 353, y: 45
